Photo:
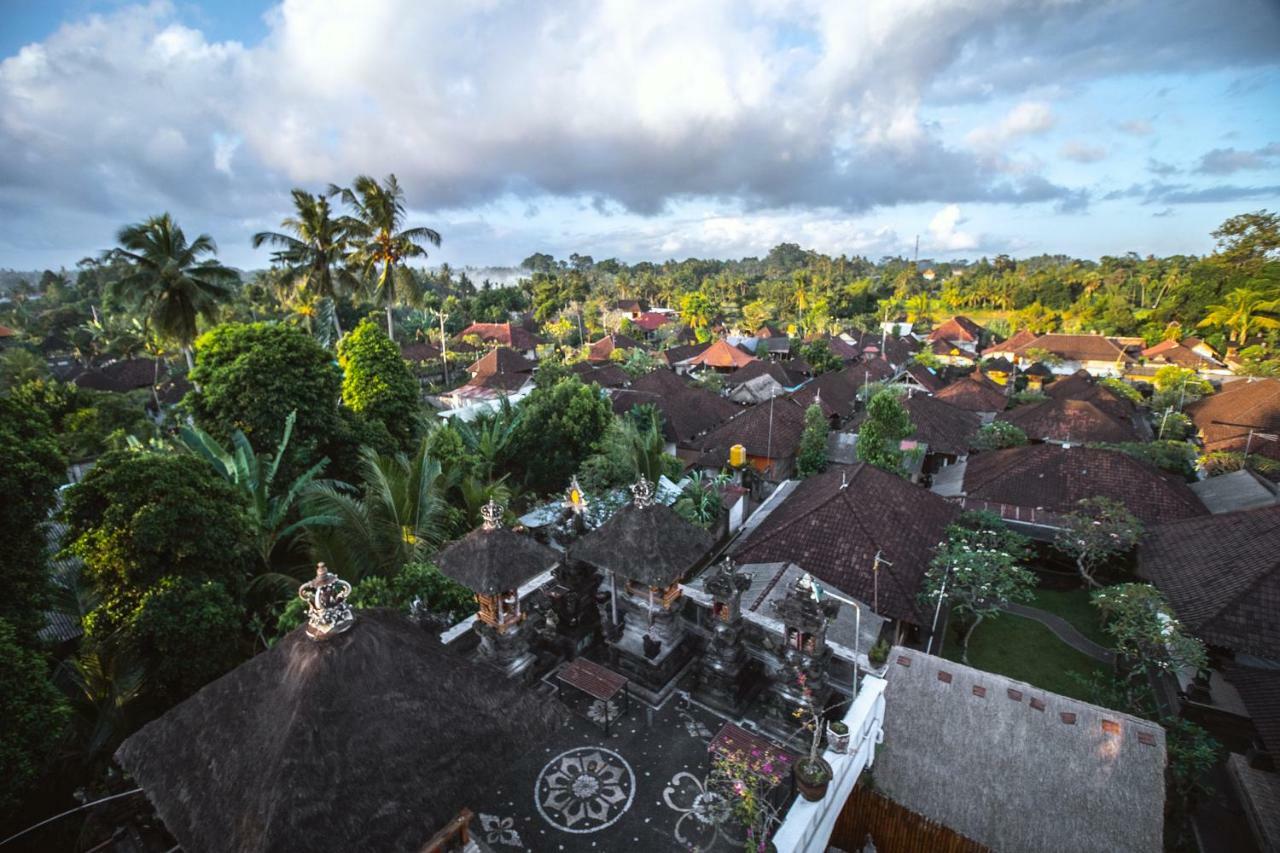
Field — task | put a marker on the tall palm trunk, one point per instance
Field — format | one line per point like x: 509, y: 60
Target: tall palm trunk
x: 391, y: 330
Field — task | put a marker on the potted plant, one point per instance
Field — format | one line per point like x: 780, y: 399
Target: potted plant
x: 748, y: 779
x: 879, y: 653
x: 812, y: 772
x: 838, y: 737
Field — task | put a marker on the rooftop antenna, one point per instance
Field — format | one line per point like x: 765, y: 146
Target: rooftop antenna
x: 875, y: 580
x: 916, y: 259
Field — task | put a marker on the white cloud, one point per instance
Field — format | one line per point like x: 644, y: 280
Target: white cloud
x: 1025, y: 119
x: 1082, y: 152
x: 945, y: 234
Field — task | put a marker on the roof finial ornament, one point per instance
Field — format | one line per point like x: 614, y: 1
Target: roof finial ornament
x: 327, y: 610
x: 642, y: 493
x: 491, y: 513
x: 575, y: 499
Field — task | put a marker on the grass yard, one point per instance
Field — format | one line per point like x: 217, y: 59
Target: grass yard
x: 1028, y: 651
x: 1074, y: 606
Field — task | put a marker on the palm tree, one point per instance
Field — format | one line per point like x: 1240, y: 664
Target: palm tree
x: 255, y: 474
x: 395, y: 519
x: 1242, y: 312
x: 379, y: 242
x: 488, y: 436
x: 313, y: 249
x: 169, y: 280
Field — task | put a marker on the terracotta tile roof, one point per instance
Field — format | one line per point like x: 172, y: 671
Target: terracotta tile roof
x: 651, y: 321
x: 1078, y: 348
x: 688, y: 412
x: 419, y: 351
x: 600, y: 350
x: 1221, y: 575
x: 722, y: 354
x: 675, y: 355
x: 1020, y: 339
x: 780, y: 374
x: 835, y: 532
x: 1224, y: 419
x: 769, y: 330
x: 1056, y: 478
x: 958, y: 328
x: 1075, y: 421
x: 839, y: 389
x: 974, y: 393
x: 768, y: 430
x: 506, y: 334
x: 6, y: 332
x: 501, y: 360
x: 925, y: 378
x: 121, y: 376
x: 500, y: 381
x: 1083, y: 387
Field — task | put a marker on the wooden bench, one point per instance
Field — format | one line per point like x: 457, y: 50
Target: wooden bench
x: 598, y: 682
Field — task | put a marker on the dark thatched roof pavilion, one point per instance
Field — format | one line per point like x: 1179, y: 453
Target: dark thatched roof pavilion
x: 370, y: 740
x: 650, y: 544
x: 492, y: 561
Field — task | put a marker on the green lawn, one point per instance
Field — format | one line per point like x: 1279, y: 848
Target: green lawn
x: 1026, y: 650
x: 1074, y: 606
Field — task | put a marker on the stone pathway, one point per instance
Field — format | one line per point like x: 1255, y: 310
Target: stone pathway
x: 1065, y: 631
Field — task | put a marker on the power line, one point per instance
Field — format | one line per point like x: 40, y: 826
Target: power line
x: 69, y: 812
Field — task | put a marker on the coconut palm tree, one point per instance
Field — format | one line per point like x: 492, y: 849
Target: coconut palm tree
x: 168, y: 280
x: 397, y: 517
x: 1242, y: 312
x: 379, y: 242
x: 312, y: 250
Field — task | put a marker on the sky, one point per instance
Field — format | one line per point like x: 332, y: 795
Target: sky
x: 646, y: 130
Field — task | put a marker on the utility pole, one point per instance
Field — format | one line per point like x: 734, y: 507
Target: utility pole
x: 875, y: 581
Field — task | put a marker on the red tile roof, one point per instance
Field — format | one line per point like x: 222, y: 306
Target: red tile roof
x: 958, y: 328
x: 1056, y: 478
x: 722, y: 354
x: 501, y: 360
x: 833, y: 524
x: 651, y: 321
x: 601, y: 349
x: 506, y: 334
x: 974, y: 393
x: 1075, y: 421
x: 1221, y: 575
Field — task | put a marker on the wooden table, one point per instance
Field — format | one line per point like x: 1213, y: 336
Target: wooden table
x: 598, y: 682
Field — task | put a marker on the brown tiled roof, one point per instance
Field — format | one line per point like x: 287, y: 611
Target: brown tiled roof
x: 500, y: 381
x: 637, y: 305
x: 1083, y: 387
x: 722, y: 354
x: 898, y: 350
x: 1224, y: 419
x: 1077, y: 348
x: 606, y: 375
x: 674, y: 355
x: 419, y: 351
x: 942, y: 426
x: 1259, y: 688
x: 1075, y: 421
x: 121, y: 376
x: 798, y: 365
x: 651, y: 321
x: 763, y: 368
x: 769, y: 430
x: 501, y: 360
x: 946, y: 348
x: 1020, y: 339
x: 687, y: 412
x: 506, y: 334
x: 1056, y: 478
x: 600, y: 350
x: 1221, y: 575
x: 925, y: 378
x: 958, y: 328
x: 768, y: 330
x: 974, y: 393
x: 1001, y: 364
x: 835, y: 532
x: 661, y: 382
x: 839, y: 388
x: 845, y: 351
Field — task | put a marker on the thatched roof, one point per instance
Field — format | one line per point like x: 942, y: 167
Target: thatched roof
x: 489, y: 562
x: 370, y: 740
x: 1015, y: 767
x: 651, y: 545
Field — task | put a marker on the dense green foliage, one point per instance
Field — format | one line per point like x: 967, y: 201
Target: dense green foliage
x: 886, y: 424
x: 35, y: 718
x: 811, y: 455
x: 417, y: 588
x: 562, y: 425
x: 33, y: 467
x: 998, y: 435
x: 1098, y: 530
x: 377, y: 383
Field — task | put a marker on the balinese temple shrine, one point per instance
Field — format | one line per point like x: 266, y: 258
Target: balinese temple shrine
x: 494, y: 562
x: 645, y: 550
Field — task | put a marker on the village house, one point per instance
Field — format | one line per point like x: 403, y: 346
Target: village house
x: 505, y: 335
x: 960, y: 334
x: 688, y: 412
x: 760, y: 380
x: 721, y: 356
x: 1243, y: 417
x: 1070, y: 421
x: 975, y: 393
x: 770, y: 432
x: 603, y: 349
x: 1096, y: 354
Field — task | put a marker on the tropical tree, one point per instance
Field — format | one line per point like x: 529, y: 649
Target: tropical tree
x: 700, y: 501
x: 377, y: 382
x: 1242, y: 312
x: 1145, y: 633
x: 811, y: 455
x: 886, y: 424
x: 379, y: 242
x: 35, y: 716
x: 168, y: 280
x: 1099, y: 530
x: 255, y: 474
x: 312, y: 250
x: 487, y: 437
x: 398, y: 515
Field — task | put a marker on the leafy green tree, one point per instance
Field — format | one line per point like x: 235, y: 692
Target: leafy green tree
x: 32, y: 470
x: 379, y: 241
x: 696, y: 311
x: 270, y: 509
x: 639, y: 362
x: 1247, y: 241
x: 418, y: 588
x: 819, y: 355
x: 1243, y: 312
x: 398, y: 516
x: 311, y: 250
x: 249, y: 374
x: 377, y: 383
x: 1100, y: 530
x: 977, y: 573
x: 140, y: 517
x: 562, y: 425
x: 19, y: 366
x: 631, y: 447
x: 811, y: 455
x: 879, y: 435
x: 1176, y: 457
x: 168, y: 280
x: 1122, y: 389
x: 1145, y: 633
x: 35, y: 718
x: 998, y: 435
x: 1176, y: 386
x: 701, y: 500
x: 1192, y: 754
